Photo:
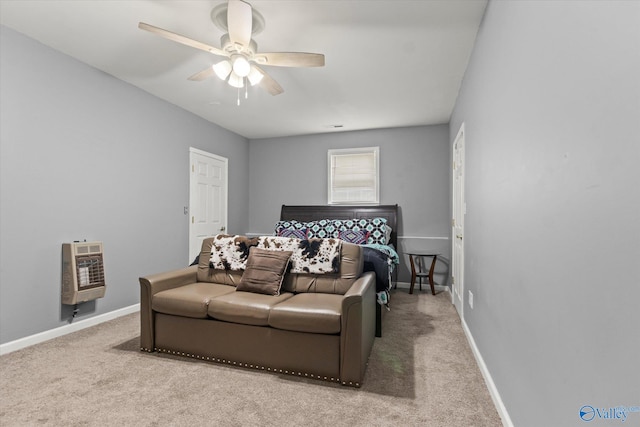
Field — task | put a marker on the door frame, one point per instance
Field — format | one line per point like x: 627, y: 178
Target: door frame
x: 193, y: 193
x: 457, y: 223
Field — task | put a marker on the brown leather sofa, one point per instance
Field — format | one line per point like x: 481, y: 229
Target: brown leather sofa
x: 320, y: 326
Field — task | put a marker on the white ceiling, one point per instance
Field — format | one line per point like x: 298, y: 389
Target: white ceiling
x: 388, y: 63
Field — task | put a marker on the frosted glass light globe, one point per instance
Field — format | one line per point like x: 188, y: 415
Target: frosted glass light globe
x: 241, y: 66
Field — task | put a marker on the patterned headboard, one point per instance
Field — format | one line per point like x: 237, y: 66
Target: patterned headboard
x: 314, y: 213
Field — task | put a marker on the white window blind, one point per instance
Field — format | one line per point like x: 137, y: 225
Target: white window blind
x: 353, y: 175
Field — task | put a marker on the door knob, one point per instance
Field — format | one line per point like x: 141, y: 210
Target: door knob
x: 223, y: 228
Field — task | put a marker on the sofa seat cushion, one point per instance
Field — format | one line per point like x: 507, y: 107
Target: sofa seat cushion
x: 247, y: 308
x: 190, y: 300
x: 309, y: 312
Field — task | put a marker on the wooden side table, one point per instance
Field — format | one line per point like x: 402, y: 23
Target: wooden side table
x: 417, y: 268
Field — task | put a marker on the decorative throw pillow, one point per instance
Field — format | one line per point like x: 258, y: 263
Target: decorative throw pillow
x: 293, y: 232
x: 265, y: 271
x: 358, y: 237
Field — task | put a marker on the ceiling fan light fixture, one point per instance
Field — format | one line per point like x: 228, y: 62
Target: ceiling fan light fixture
x: 236, y: 80
x: 241, y: 66
x: 255, y: 76
x: 240, y: 22
x: 222, y: 69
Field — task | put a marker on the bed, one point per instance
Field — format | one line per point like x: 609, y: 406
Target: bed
x: 379, y: 259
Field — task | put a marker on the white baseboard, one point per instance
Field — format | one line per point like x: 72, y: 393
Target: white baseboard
x: 66, y: 329
x: 493, y: 391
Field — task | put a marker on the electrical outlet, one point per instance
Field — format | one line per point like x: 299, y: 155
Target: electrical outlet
x: 470, y: 299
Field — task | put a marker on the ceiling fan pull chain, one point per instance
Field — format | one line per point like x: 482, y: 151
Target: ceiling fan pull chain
x: 246, y: 89
x: 238, y: 97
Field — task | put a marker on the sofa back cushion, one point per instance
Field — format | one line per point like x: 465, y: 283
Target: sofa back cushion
x: 351, y: 266
x: 213, y: 275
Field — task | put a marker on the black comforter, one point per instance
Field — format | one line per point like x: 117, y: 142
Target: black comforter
x: 376, y: 261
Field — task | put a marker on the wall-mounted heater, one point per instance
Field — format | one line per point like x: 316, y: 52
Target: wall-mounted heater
x: 82, y: 272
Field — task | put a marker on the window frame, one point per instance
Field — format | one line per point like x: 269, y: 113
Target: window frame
x: 375, y: 188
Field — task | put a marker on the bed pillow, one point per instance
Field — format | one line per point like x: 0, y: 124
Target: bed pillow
x: 293, y: 232
x: 357, y: 237
x: 387, y: 234
x: 375, y: 226
x: 289, y: 225
x: 265, y: 271
x: 322, y: 229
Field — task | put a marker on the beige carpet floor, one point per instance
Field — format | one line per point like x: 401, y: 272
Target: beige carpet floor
x: 421, y: 373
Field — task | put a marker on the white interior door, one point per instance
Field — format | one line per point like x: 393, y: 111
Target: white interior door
x: 459, y: 210
x: 207, y: 198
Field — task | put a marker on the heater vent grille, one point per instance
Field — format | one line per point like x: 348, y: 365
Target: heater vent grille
x: 83, y: 277
x: 89, y: 271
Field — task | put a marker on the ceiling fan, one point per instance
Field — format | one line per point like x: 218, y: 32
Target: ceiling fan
x: 242, y: 64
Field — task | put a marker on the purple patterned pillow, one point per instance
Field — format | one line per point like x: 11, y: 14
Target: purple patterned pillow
x: 358, y: 237
x: 293, y: 232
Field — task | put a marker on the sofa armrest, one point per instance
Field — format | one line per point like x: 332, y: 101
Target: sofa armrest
x: 170, y: 279
x: 358, y: 328
x: 358, y: 290
x: 151, y: 285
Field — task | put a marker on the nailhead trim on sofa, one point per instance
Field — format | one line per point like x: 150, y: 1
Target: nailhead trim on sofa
x: 247, y: 365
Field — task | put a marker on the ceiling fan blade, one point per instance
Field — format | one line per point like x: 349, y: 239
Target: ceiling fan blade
x: 268, y: 83
x: 204, y: 74
x: 239, y: 22
x: 181, y: 39
x: 290, y: 59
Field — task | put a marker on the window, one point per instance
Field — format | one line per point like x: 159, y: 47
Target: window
x: 353, y: 175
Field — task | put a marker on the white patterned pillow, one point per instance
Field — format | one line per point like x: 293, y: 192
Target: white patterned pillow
x: 230, y: 252
x: 311, y: 256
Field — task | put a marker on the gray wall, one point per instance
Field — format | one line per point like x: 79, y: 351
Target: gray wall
x: 551, y: 106
x: 414, y: 165
x: 86, y: 156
